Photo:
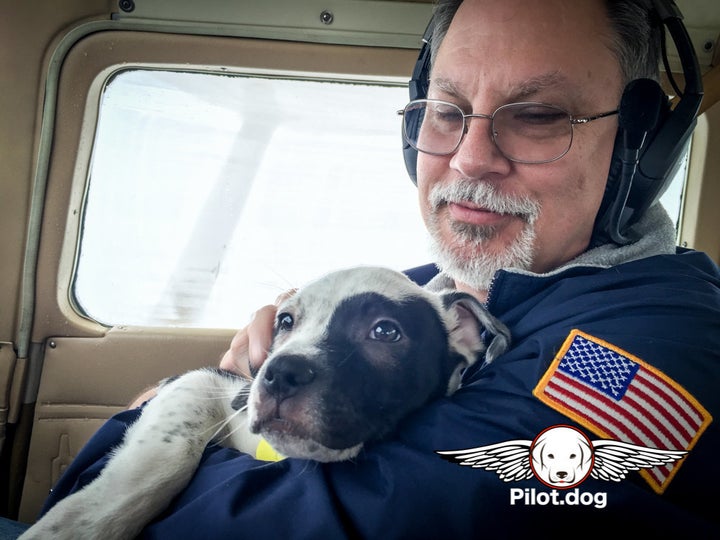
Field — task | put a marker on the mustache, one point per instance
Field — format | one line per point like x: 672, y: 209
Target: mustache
x: 486, y: 196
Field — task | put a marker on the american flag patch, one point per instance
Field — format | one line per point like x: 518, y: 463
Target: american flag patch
x: 618, y: 396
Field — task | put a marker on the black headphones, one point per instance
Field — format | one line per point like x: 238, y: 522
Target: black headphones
x: 651, y: 137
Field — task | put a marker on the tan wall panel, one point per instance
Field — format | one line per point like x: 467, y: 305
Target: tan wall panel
x: 112, y: 369
x: 86, y: 380
x: 56, y: 442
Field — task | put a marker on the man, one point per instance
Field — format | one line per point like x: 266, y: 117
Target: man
x: 488, y: 209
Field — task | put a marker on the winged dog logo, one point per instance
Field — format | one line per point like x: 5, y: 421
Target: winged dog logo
x: 562, y: 457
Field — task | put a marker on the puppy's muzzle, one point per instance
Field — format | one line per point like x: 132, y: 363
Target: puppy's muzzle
x: 286, y: 375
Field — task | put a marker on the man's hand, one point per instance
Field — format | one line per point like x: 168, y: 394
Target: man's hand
x: 249, y: 347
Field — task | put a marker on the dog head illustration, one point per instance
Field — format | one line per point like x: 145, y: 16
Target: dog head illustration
x: 561, y: 457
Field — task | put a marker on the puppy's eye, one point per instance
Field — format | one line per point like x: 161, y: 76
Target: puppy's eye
x: 385, y: 331
x: 285, y: 321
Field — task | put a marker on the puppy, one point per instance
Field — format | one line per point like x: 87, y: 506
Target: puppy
x: 352, y: 355
x: 562, y: 457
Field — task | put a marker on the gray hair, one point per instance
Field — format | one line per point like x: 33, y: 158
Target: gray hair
x: 635, y: 41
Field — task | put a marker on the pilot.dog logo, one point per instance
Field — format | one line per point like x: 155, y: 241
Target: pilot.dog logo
x: 562, y: 457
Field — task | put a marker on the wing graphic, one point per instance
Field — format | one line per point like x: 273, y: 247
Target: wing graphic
x: 613, y: 459
x: 509, y: 459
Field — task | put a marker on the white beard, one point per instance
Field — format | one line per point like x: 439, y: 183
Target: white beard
x: 464, y: 258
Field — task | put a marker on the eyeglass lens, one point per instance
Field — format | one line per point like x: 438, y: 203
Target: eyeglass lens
x: 523, y: 132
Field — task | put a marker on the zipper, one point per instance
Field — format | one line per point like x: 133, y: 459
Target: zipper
x: 491, y: 289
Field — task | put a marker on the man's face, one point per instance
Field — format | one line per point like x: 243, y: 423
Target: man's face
x: 533, y: 216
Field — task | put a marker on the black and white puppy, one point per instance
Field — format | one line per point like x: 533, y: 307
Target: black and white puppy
x: 353, y: 353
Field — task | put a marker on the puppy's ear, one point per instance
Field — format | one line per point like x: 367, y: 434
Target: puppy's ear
x: 472, y: 320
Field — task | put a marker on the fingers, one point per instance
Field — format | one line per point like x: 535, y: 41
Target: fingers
x: 148, y: 393
x: 250, y: 345
x: 285, y: 296
x: 235, y: 358
x: 259, y: 333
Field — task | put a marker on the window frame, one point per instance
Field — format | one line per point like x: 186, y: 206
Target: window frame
x: 70, y: 117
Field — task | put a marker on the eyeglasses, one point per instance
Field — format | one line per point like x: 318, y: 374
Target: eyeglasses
x: 524, y: 132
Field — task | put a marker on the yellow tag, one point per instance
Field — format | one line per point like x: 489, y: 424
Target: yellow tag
x: 265, y: 452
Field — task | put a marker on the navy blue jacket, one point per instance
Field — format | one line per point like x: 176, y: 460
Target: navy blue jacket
x: 664, y: 310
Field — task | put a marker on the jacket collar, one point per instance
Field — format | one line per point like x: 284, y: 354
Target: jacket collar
x: 655, y: 232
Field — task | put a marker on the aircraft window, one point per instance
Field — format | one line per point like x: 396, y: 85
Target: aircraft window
x: 209, y: 194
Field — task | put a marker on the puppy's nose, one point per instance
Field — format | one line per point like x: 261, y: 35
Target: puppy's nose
x: 561, y: 474
x: 287, y: 374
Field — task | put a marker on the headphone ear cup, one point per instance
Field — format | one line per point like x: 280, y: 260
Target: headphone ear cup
x: 663, y: 147
x: 650, y: 183
x: 643, y: 110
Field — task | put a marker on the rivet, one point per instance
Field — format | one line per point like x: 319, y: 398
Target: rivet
x: 126, y: 5
x: 327, y: 17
